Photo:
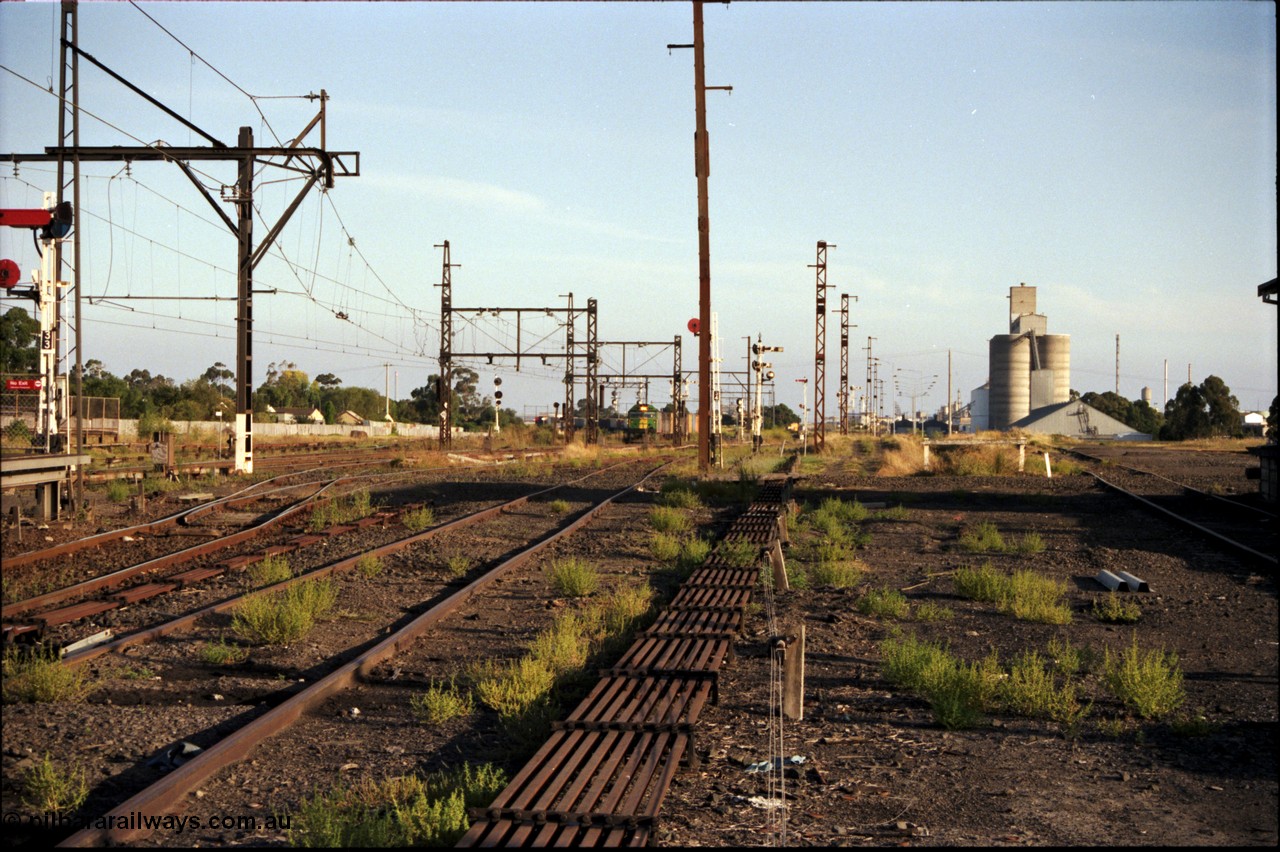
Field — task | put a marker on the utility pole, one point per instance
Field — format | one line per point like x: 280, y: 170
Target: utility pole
x: 950, y: 407
x: 820, y: 352
x: 386, y: 390
x: 702, y: 170
x: 1117, y: 364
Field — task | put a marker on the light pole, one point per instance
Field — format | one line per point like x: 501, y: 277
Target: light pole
x: 804, y: 409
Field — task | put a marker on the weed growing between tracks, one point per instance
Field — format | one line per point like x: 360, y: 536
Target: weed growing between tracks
x: 441, y: 702
x: 1149, y: 682
x: 37, y: 676
x: 529, y: 693
x: 48, y: 789
x: 285, y: 616
x: 406, y: 810
x: 1025, y: 594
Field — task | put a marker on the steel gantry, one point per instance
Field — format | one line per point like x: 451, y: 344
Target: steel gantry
x: 589, y: 353
x: 844, y: 362
x: 316, y: 164
x: 624, y: 378
x: 820, y: 352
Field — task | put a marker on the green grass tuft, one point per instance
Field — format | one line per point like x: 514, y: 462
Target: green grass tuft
x: 575, y: 578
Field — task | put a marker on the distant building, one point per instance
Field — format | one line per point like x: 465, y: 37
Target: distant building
x: 349, y: 418
x: 305, y: 414
x: 1075, y: 419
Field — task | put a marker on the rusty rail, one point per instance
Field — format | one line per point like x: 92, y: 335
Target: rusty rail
x: 167, y: 794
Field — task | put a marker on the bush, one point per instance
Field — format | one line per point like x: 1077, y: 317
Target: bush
x: 511, y: 688
x: 693, y: 552
x: 884, y: 603
x: 574, y: 578
x: 417, y: 520
x: 48, y: 789
x: 665, y: 547
x: 440, y: 703
x: 400, y: 811
x: 1150, y: 682
x: 270, y: 570
x: 285, y: 616
x: 1030, y: 690
x: 669, y: 520
x: 559, y: 507
x: 739, y: 552
x: 1113, y: 610
x: 982, y: 538
x: 459, y: 565
x: 979, y: 584
x: 368, y: 566
x: 679, y: 498
x: 222, y: 653
x: 39, y: 677
x: 117, y: 491
x: 841, y: 574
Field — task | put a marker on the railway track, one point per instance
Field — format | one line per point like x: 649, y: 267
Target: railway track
x: 1244, y: 528
x: 169, y: 793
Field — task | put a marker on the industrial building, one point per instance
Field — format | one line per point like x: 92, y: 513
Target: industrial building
x: 1029, y: 383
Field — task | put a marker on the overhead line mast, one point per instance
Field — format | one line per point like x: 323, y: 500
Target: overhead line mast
x: 702, y: 169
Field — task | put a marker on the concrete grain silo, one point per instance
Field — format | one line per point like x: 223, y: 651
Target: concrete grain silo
x: 1010, y: 394
x: 1055, y: 355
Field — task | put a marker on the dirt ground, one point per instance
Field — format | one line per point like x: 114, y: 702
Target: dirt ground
x: 878, y: 770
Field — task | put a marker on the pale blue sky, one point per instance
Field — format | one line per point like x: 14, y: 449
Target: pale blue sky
x: 1121, y: 157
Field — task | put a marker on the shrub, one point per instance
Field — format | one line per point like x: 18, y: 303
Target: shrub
x: 1036, y: 598
x: 679, y: 498
x: 693, y: 552
x: 222, y: 653
x: 39, y: 677
x: 1150, y: 682
x: 270, y: 570
x: 884, y: 603
x: 368, y: 566
x: 982, y: 538
x: 563, y: 646
x: 1066, y: 658
x: 458, y: 565
x: 930, y: 611
x: 417, y: 520
x: 117, y: 491
x: 440, y: 703
x: 893, y: 513
x: 285, y: 616
x: 841, y: 574
x: 665, y: 547
x: 669, y: 520
x: 1030, y: 543
x: 574, y: 578
x: 400, y: 811
x: 979, y: 584
x: 559, y: 507
x: 512, y: 687
x: 48, y: 789
x: 1030, y: 690
x: 1113, y: 610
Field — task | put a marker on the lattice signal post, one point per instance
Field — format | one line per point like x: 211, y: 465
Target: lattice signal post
x: 820, y: 352
x: 844, y: 362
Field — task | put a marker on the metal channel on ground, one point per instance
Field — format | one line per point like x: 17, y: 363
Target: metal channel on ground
x: 601, y: 777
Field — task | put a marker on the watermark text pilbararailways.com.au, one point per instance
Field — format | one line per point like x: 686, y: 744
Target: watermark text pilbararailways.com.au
x: 135, y: 821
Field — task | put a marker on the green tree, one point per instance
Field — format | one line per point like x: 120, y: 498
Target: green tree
x: 1273, y: 421
x: 1225, y: 418
x: 19, y: 342
x: 1202, y: 411
x: 778, y: 415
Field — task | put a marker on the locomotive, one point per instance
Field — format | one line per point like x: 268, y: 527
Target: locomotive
x: 642, y: 423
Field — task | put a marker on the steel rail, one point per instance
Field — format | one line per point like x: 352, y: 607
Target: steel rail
x: 115, y: 578
x: 166, y: 795
x: 148, y: 634
x: 1268, y: 559
x: 1232, y: 503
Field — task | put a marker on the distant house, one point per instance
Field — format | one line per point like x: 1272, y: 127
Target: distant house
x: 1254, y: 423
x: 1077, y: 420
x: 349, y: 418
x: 305, y: 414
